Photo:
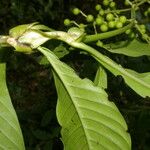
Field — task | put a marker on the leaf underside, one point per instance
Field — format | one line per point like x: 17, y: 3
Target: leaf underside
x: 89, y: 120
x: 10, y: 133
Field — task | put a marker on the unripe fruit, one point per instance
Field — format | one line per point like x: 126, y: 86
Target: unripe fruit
x: 101, y: 12
x: 81, y: 25
x: 99, y: 20
x: 111, y: 24
x: 104, y: 27
x: 98, y: 7
x: 76, y: 11
x: 112, y: 5
x: 109, y: 17
x: 89, y: 18
x: 105, y: 2
x: 123, y: 19
x: 126, y: 3
x: 67, y: 22
x: 119, y: 24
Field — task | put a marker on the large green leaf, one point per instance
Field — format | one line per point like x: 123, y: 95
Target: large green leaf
x: 10, y: 133
x: 89, y: 120
x: 134, y: 48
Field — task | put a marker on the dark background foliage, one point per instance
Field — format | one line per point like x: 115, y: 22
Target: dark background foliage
x: 32, y: 88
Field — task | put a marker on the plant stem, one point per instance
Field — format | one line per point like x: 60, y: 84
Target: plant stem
x: 141, y: 2
x: 100, y: 36
x: 118, y: 11
x: 3, y: 41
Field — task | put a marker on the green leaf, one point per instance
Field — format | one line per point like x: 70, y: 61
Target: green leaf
x: 135, y: 48
x: 60, y: 51
x: 10, y: 133
x: 20, y: 29
x: 101, y: 78
x: 139, y: 82
x: 89, y: 120
x: 33, y: 38
x: 133, y: 79
x: 42, y: 27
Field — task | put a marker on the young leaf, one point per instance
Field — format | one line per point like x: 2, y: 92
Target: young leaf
x: 101, y: 78
x: 88, y: 119
x: 10, y: 133
x: 20, y: 29
x: 134, y: 48
x: 33, y: 38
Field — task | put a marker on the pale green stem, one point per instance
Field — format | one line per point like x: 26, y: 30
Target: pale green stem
x: 100, y: 36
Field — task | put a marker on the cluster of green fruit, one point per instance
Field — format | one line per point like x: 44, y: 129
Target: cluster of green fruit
x: 106, y: 18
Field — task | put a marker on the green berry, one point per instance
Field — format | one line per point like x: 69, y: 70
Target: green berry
x: 99, y: 43
x: 98, y: 7
x: 81, y: 25
x: 101, y: 12
x: 111, y: 24
x: 109, y: 17
x: 89, y: 18
x: 126, y: 3
x: 76, y: 11
x: 128, y: 31
x: 105, y: 2
x: 104, y: 27
x: 99, y: 20
x: 119, y: 24
x: 67, y: 22
x: 122, y: 19
x: 112, y: 5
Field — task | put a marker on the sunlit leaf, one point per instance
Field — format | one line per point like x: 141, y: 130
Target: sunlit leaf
x: 89, y: 120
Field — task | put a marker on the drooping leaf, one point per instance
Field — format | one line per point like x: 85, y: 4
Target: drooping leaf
x: 134, y: 79
x: 139, y: 82
x: 10, y: 133
x: 89, y: 120
x: 101, y: 78
x: 134, y: 48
